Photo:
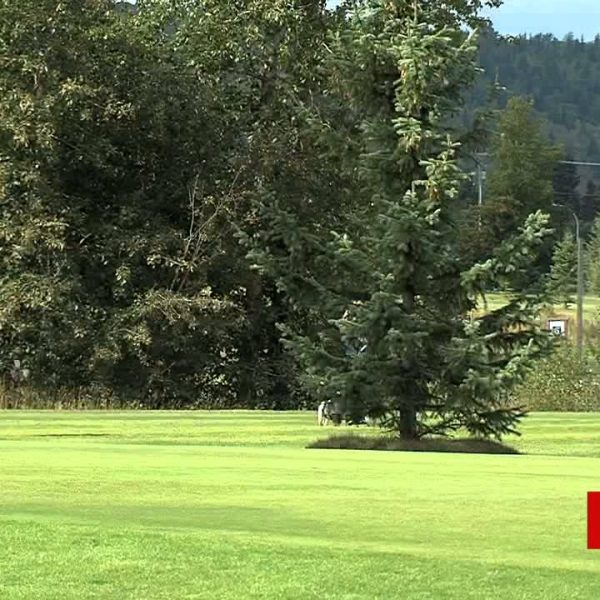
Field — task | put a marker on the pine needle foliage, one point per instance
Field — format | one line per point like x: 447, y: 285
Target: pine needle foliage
x: 395, y: 331
x: 562, y: 283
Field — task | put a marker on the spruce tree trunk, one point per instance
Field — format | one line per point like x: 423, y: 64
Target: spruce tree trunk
x: 408, y: 414
x: 408, y: 424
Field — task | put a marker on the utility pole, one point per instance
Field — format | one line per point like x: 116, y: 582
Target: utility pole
x: 480, y: 176
x: 580, y: 288
x: 580, y: 281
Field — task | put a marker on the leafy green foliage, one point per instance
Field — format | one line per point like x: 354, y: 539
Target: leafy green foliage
x: 562, y: 382
x: 524, y: 161
x: 132, y: 145
x: 523, y: 176
x: 105, y: 242
x: 144, y: 151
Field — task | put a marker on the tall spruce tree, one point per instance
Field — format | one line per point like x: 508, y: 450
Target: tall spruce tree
x: 589, y: 207
x: 521, y: 179
x: 394, y: 331
x: 562, y: 282
x: 593, y: 258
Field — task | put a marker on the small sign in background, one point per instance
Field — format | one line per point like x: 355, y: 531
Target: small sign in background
x: 558, y: 326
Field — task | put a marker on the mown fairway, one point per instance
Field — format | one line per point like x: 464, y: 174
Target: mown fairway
x: 591, y: 306
x: 230, y: 505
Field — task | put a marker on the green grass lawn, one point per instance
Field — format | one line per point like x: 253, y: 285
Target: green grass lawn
x: 591, y: 306
x: 230, y: 505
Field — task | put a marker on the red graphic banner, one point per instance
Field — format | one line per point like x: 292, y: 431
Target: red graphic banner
x: 593, y: 520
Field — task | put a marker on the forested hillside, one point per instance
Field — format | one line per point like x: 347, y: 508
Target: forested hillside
x: 561, y: 76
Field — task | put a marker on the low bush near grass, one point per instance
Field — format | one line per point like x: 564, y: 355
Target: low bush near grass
x: 357, y: 442
x: 562, y: 382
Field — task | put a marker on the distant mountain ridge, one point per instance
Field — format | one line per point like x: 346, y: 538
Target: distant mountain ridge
x: 562, y: 77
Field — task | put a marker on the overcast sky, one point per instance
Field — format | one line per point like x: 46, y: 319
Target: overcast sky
x: 582, y: 17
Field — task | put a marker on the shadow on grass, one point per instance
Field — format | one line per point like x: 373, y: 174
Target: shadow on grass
x: 465, y: 446
x: 70, y: 435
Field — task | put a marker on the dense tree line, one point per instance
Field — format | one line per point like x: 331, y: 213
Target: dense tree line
x: 208, y: 204
x: 127, y: 151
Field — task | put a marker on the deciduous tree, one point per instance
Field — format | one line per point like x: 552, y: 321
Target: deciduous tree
x: 104, y: 254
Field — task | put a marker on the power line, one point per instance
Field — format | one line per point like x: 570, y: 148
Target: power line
x: 579, y: 163
x: 563, y: 162
x: 480, y: 173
